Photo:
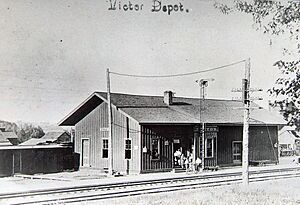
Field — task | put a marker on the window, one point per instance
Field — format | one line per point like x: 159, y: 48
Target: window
x: 105, y: 148
x: 237, y: 151
x: 209, y: 144
x: 155, y: 149
x: 127, y: 148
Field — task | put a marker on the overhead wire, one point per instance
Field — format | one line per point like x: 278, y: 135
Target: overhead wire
x: 130, y: 129
x: 120, y: 74
x: 26, y: 75
x: 180, y: 74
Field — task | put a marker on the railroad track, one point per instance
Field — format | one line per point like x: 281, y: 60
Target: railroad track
x: 87, y: 193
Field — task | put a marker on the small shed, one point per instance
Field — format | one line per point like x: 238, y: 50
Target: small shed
x: 289, y: 141
x: 7, y: 138
x: 36, y: 159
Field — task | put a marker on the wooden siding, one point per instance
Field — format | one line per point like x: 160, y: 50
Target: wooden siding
x: 261, y: 143
x: 165, y: 134
x: 120, y: 133
x: 94, y: 126
x: 32, y: 161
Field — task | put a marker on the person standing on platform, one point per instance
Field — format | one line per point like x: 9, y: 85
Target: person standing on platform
x: 177, y: 157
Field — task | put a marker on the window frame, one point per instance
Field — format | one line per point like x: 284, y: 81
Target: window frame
x: 105, y: 149
x: 212, y: 148
x: 158, y: 149
x: 125, y: 148
x: 237, y: 154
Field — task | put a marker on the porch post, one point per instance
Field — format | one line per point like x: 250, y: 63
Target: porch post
x: 172, y: 152
x: 13, y: 163
x: 194, y: 151
x: 20, y: 155
x: 203, y: 146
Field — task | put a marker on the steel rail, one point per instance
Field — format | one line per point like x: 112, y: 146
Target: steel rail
x: 218, y: 178
x: 134, y: 183
x: 110, y: 185
x: 156, y: 189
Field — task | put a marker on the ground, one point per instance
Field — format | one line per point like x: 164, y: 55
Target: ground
x: 283, y: 191
x: 277, y: 192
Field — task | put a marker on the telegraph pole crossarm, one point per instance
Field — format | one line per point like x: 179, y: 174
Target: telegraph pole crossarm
x: 246, y: 101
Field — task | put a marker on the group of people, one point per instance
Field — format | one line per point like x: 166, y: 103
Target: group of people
x: 186, y: 161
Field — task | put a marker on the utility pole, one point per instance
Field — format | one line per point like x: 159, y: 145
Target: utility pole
x: 110, y: 140
x: 246, y: 101
x: 202, y: 95
x: 202, y: 83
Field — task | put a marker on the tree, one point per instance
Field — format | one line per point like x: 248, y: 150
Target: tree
x: 278, y: 19
x: 37, y: 132
x: 28, y: 131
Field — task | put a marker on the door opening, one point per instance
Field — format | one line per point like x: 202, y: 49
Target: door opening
x: 177, y: 147
x: 85, y: 152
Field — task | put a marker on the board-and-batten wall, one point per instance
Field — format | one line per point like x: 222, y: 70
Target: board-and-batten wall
x: 165, y: 160
x: 94, y: 127
x: 165, y: 134
x: 261, y: 143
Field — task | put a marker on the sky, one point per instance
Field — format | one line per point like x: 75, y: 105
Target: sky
x: 54, y: 53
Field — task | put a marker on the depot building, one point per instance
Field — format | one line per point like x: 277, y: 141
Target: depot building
x: 148, y: 130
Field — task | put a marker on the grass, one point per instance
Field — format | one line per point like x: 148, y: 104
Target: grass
x: 278, y: 192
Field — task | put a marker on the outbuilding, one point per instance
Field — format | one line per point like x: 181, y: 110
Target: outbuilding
x: 148, y: 130
x: 53, y: 137
x: 7, y: 138
x: 289, y: 141
x: 36, y: 159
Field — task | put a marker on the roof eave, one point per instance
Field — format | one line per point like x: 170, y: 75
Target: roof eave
x: 64, y: 120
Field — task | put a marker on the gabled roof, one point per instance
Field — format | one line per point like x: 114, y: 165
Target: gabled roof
x: 2, y: 137
x: 52, y: 136
x: 5, y: 136
x: 152, y: 109
x: 31, y: 142
x: 9, y: 135
x: 49, y: 137
x: 288, y: 131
